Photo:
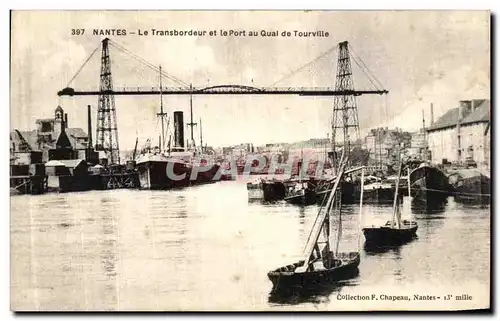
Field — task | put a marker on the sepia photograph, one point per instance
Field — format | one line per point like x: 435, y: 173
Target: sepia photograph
x: 250, y: 161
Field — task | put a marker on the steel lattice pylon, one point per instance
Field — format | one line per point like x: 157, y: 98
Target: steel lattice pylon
x: 345, y: 122
x: 107, y: 128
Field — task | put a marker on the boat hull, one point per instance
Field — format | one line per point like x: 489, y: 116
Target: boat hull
x: 286, y: 279
x: 255, y: 191
x: 308, y: 197
x: 153, y: 175
x: 273, y: 191
x: 470, y: 186
x: 206, y: 175
x: 381, y: 195
x: 386, y: 235
x: 428, y: 182
x: 351, y: 194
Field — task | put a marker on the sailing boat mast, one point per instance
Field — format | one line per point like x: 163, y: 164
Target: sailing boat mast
x: 191, y: 123
x: 201, y: 137
x: 425, y: 136
x: 322, y: 219
x: 338, y: 208
x: 379, y: 158
x: 161, y: 115
x: 361, y: 205
x: 325, y: 148
x: 191, y: 111
x: 409, y: 195
x: 396, y: 216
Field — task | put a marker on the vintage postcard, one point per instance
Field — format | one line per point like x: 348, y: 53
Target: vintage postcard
x: 250, y: 161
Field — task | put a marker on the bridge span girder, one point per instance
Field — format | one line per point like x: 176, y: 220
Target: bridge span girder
x: 221, y: 90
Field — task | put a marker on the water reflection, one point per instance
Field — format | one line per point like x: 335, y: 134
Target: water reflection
x: 253, y: 201
x: 398, y: 262
x: 108, y: 241
x: 374, y: 249
x: 317, y: 293
x: 108, y: 255
x: 302, y: 215
x: 169, y: 220
x: 429, y: 206
x: 182, y: 208
x: 169, y: 250
x: 474, y: 205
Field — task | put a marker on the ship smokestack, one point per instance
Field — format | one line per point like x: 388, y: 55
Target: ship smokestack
x: 65, y: 120
x: 432, y: 113
x: 89, y: 124
x: 179, y: 128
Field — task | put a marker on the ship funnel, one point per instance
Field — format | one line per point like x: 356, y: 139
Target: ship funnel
x: 179, y: 129
x: 89, y: 125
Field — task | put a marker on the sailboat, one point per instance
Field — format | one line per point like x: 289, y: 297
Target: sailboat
x: 321, y: 263
x: 395, y: 231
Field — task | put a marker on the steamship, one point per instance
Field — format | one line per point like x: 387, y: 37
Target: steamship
x: 173, y: 168
x: 165, y: 168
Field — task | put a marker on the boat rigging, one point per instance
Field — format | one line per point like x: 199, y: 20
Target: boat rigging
x: 322, y: 260
x: 395, y: 231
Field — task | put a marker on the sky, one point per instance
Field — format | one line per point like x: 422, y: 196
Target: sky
x: 420, y: 57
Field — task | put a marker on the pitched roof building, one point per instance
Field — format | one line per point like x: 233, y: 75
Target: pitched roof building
x: 462, y: 134
x: 50, y: 134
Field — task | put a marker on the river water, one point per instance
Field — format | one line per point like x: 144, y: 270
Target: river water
x: 208, y: 248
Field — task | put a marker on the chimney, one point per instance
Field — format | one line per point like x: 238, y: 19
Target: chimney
x: 65, y: 120
x: 476, y: 103
x: 465, y: 108
x: 432, y: 114
x: 89, y: 123
x: 178, y: 129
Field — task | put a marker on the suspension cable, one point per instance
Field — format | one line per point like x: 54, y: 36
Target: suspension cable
x: 147, y: 63
x: 366, y: 67
x: 83, y: 65
x: 366, y: 74
x: 293, y: 72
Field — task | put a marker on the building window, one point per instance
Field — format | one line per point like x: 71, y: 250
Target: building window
x: 470, y: 151
x: 46, y: 127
